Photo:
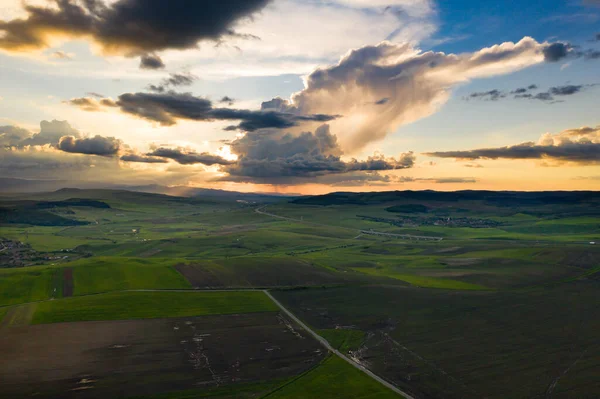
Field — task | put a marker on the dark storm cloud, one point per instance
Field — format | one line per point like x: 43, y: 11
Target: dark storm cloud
x: 526, y: 93
x: 151, y: 61
x: 166, y: 108
x: 591, y: 54
x: 492, y: 95
x: 522, y: 90
x: 174, y: 80
x: 189, y: 157
x: 97, y: 145
x: 272, y: 156
x: 565, y: 90
x: 382, y: 101
x: 142, y: 159
x: 575, y: 145
x: 129, y: 27
x: 556, y: 51
x: 574, y: 152
x: 227, y: 100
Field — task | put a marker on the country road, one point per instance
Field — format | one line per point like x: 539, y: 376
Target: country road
x: 330, y: 348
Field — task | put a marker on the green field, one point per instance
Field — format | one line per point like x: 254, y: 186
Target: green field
x: 334, y: 378
x: 344, y: 340
x: 504, y: 306
x: 27, y: 285
x: 103, y: 274
x: 140, y: 305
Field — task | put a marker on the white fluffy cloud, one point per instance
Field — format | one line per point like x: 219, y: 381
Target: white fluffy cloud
x: 379, y: 88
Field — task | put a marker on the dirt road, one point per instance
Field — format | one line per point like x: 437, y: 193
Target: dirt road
x: 330, y: 348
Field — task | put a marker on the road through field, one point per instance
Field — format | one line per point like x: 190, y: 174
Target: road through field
x: 321, y: 340
x: 330, y: 348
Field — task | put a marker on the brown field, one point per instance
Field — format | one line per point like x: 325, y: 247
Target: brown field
x: 256, y: 272
x: 67, y: 282
x: 111, y: 359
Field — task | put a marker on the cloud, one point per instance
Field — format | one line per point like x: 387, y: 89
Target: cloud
x: 142, y: 159
x: 565, y: 90
x: 37, y: 156
x: 579, y: 146
x: 273, y: 156
x: 187, y: 157
x: 226, y: 99
x: 97, y: 145
x: 61, y: 55
x: 151, y: 61
x: 174, y: 80
x: 556, y: 51
x: 526, y: 93
x: 167, y: 108
x: 91, y: 104
x: 438, y: 180
x: 491, y: 95
x: 127, y: 27
x: 12, y: 135
x: 50, y: 133
x: 590, y: 54
x: 415, y: 83
x: 94, y: 94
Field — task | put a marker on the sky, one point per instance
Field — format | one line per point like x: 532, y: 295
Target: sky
x: 302, y: 96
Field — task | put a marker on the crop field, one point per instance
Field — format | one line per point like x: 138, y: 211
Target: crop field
x: 28, y: 285
x: 103, y: 274
x: 257, y: 272
x: 445, y: 295
x: 334, y: 378
x: 140, y: 305
x: 109, y: 359
x: 461, y: 344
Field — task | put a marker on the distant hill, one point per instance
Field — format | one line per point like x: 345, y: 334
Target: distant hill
x: 10, y: 186
x: 183, y: 191
x: 496, y: 198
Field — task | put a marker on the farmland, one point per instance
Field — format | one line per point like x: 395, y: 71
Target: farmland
x: 503, y: 306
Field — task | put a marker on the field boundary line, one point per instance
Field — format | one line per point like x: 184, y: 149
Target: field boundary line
x: 331, y: 349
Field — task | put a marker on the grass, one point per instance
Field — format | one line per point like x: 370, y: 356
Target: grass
x: 103, y: 274
x: 26, y: 285
x: 141, y: 305
x: 3, y: 313
x: 239, y: 390
x: 334, y: 378
x: 422, y: 281
x: 344, y: 340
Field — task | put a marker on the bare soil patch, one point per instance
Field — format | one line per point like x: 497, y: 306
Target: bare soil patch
x: 68, y: 282
x: 256, y: 273
x: 109, y: 359
x: 461, y: 261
